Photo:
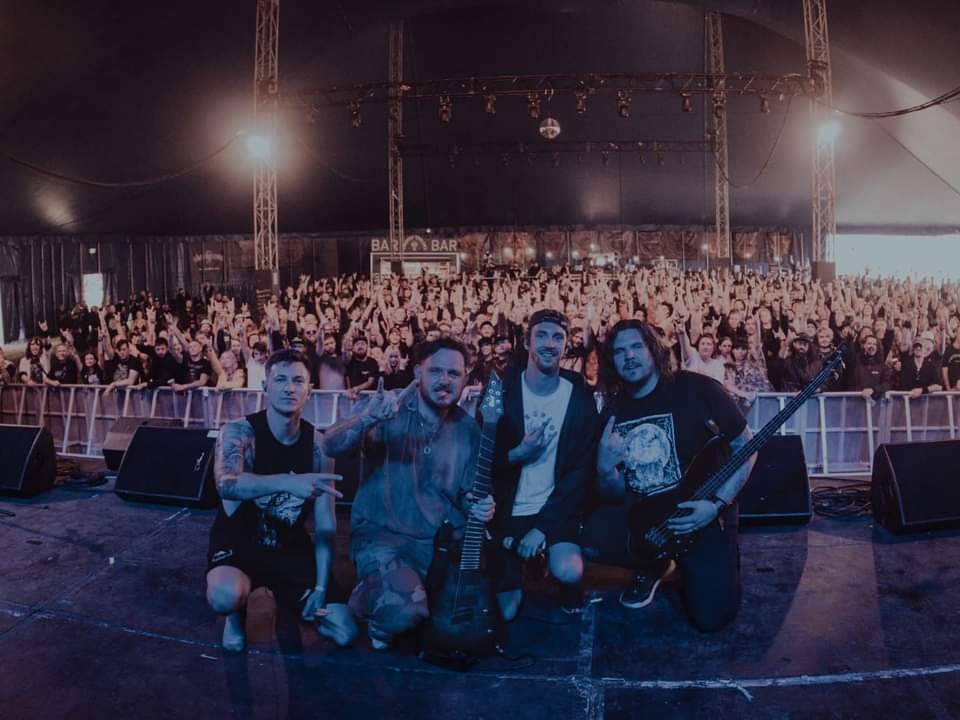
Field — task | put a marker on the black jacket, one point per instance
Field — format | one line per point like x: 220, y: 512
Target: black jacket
x: 576, y: 455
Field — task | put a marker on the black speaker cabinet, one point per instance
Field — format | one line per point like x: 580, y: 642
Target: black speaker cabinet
x: 916, y: 486
x: 117, y: 441
x: 173, y: 466
x: 778, y: 490
x: 28, y: 462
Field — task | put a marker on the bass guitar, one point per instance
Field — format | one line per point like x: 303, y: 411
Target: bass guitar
x: 464, y: 617
x: 651, y: 538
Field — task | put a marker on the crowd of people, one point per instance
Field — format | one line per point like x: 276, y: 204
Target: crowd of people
x: 749, y: 331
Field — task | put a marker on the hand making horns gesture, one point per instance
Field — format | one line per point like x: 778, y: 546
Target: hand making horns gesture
x: 384, y: 404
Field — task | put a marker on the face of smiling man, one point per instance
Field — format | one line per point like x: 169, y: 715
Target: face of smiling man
x: 545, y: 345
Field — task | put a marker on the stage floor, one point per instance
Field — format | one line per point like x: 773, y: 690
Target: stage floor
x: 102, y: 615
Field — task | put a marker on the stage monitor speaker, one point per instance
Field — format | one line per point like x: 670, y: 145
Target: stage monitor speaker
x: 778, y: 490
x: 173, y: 466
x: 916, y: 486
x: 118, y: 439
x: 28, y: 462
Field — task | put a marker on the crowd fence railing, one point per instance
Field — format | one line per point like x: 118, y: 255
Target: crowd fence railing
x: 840, y: 431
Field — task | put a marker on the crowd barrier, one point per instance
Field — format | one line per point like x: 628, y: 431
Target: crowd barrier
x: 840, y: 431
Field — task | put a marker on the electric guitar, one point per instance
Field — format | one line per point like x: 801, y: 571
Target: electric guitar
x: 464, y: 616
x: 650, y: 538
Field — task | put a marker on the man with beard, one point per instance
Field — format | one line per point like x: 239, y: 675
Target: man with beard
x: 164, y: 367
x: 657, y: 421
x: 543, y: 461
x: 362, y: 370
x: 270, y: 468
x: 801, y: 364
x: 420, y: 455
x: 870, y: 374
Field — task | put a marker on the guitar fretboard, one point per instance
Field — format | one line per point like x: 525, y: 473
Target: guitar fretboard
x: 475, y: 531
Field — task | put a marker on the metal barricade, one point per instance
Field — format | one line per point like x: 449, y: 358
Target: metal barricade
x: 840, y: 431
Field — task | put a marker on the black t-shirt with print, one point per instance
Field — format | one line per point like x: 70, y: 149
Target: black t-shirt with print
x: 951, y: 361
x: 92, y: 376
x: 359, y: 371
x: 665, y: 430
x: 191, y: 370
x: 63, y: 371
x: 117, y: 369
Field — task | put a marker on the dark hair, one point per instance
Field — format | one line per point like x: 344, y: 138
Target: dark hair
x: 120, y: 343
x: 162, y: 341
x: 551, y: 316
x: 285, y: 357
x: 428, y: 349
x: 662, y: 359
x: 260, y: 346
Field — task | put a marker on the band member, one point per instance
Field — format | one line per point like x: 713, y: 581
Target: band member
x: 271, y: 473
x: 656, y: 422
x: 420, y: 455
x: 544, y: 459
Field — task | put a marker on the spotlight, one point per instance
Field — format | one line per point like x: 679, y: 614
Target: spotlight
x: 446, y: 108
x: 686, y: 104
x: 490, y: 104
x: 550, y: 128
x: 828, y: 132
x: 604, y: 157
x: 530, y: 251
x: 355, y: 117
x: 549, y: 255
x: 718, y: 105
x: 533, y: 106
x: 258, y: 146
x: 764, y: 104
x: 576, y: 254
x: 660, y: 159
x: 581, y: 96
x: 623, y: 103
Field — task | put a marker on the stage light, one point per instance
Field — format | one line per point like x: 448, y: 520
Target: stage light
x: 490, y: 104
x: 508, y: 252
x: 636, y: 259
x: 550, y: 128
x: 355, y: 118
x: 259, y: 146
x: 604, y: 157
x: 705, y: 247
x: 576, y: 254
x: 686, y: 105
x: 445, y: 112
x: 828, y: 131
x: 593, y: 247
x: 764, y: 104
x: 533, y: 106
x: 549, y: 255
x: 581, y: 96
x: 623, y: 103
x: 530, y: 251
x: 464, y: 256
x: 661, y: 161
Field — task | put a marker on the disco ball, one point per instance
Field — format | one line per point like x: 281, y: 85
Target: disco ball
x: 550, y: 128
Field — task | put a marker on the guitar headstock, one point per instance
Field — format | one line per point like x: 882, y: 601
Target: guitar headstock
x: 491, y: 407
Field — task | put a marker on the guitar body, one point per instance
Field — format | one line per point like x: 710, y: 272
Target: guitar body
x: 464, y: 615
x: 650, y: 513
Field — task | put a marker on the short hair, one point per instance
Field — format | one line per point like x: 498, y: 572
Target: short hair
x: 428, y: 349
x: 121, y: 343
x: 260, y: 346
x: 551, y: 316
x: 161, y: 341
x: 285, y: 357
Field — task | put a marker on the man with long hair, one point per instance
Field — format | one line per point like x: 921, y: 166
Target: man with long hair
x: 657, y: 422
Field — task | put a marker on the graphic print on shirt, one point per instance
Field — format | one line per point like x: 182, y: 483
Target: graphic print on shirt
x: 651, y: 462
x: 276, y: 513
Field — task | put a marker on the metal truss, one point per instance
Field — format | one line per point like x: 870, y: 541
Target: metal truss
x: 266, y: 101
x: 716, y: 120
x: 395, y: 135
x: 578, y: 85
x: 824, y: 170
x: 548, y: 148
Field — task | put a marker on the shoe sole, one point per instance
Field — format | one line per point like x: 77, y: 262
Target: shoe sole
x: 646, y: 601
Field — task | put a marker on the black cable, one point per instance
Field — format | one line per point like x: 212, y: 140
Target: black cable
x: 842, y: 502
x: 156, y: 180
x: 766, y: 163
x: 933, y: 102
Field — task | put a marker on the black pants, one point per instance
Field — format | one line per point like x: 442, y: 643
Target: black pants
x: 710, y: 571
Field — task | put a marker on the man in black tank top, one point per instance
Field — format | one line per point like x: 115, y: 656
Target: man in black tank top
x: 269, y: 475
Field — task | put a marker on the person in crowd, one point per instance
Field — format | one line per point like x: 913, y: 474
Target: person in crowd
x: 542, y: 461
x: 230, y: 375
x: 870, y: 374
x: 746, y: 375
x: 164, y: 368
x: 362, y: 371
x: 419, y: 452
x: 801, y: 364
x: 396, y: 373
x: 64, y: 366
x: 272, y: 475
x: 950, y: 369
x: 655, y: 424
x: 919, y: 372
x: 34, y: 364
x: 195, y: 369
x: 91, y: 373
x: 256, y: 365
x: 121, y: 369
x: 8, y: 371
x: 700, y: 360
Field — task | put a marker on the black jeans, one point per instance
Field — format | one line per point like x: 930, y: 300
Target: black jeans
x: 710, y: 572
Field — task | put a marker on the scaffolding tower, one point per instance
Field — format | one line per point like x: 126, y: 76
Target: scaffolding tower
x: 395, y: 136
x: 266, y: 101
x: 717, y: 128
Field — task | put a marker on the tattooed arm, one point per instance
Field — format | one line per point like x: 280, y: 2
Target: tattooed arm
x: 325, y: 521
x: 233, y: 470
x: 346, y: 435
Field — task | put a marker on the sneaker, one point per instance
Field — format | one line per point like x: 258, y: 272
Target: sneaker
x: 644, y: 588
x: 571, y: 599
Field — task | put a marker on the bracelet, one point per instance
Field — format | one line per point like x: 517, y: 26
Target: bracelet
x: 720, y: 503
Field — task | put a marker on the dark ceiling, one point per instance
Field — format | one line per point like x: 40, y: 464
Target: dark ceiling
x: 118, y: 91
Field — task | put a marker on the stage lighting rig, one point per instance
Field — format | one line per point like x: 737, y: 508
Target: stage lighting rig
x: 445, y: 112
x: 623, y: 103
x: 533, y: 106
x: 686, y: 104
x: 355, y: 118
x: 581, y: 101
x: 764, y: 104
x: 490, y: 104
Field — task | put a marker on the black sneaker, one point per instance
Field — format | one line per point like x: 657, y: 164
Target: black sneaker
x: 643, y: 590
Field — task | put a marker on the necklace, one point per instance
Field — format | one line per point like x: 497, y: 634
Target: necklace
x: 431, y: 435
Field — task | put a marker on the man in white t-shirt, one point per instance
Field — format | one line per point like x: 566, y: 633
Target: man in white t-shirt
x: 545, y: 444
x: 701, y: 359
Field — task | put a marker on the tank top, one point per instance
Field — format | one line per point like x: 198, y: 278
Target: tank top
x: 276, y: 521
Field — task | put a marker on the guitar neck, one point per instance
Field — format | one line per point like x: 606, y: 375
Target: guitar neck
x: 716, y: 481
x: 475, y: 530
